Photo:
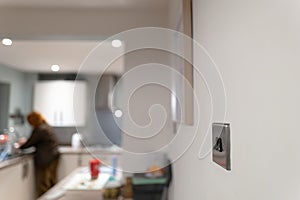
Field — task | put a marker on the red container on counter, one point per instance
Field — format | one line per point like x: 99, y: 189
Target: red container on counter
x: 94, y: 168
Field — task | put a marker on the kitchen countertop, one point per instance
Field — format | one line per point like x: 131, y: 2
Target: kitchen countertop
x: 71, y: 194
x: 15, y: 160
x: 90, y: 149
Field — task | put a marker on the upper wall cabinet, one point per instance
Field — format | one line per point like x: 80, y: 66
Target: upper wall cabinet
x: 60, y: 104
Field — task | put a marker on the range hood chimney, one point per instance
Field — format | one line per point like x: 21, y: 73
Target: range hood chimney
x: 103, y: 98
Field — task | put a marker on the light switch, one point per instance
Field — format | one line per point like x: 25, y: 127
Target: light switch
x: 221, y: 144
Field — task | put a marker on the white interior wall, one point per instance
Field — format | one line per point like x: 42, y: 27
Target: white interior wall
x: 21, y: 92
x: 21, y: 88
x: 255, y: 45
x: 139, y: 107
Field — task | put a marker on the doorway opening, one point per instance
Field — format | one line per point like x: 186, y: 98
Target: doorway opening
x: 4, y: 105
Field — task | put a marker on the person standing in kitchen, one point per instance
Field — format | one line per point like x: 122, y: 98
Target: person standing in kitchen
x: 46, y: 157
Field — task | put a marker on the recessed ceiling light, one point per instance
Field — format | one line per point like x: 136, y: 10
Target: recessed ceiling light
x: 6, y: 41
x: 116, y: 43
x: 55, y: 68
x: 118, y: 113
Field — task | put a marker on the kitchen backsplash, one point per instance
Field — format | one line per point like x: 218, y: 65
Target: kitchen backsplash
x: 64, y: 134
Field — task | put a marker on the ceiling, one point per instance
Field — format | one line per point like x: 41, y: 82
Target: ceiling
x: 38, y: 55
x: 106, y: 4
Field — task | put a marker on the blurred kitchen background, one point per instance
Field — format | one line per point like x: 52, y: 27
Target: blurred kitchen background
x: 18, y: 92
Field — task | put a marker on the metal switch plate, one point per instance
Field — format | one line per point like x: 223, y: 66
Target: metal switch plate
x: 221, y: 144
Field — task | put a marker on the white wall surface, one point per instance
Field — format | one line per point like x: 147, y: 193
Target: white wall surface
x: 21, y: 91
x: 16, y: 80
x: 139, y: 105
x: 255, y: 44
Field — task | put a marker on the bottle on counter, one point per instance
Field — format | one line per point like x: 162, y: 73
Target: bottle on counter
x: 94, y: 168
x: 76, y: 141
x: 114, y: 165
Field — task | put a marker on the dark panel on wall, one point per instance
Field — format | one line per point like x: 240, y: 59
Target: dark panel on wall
x: 63, y: 76
x: 4, y: 105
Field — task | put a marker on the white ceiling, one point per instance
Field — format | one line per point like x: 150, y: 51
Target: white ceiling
x: 39, y: 55
x: 122, y: 4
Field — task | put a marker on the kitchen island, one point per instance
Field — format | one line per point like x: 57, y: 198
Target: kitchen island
x: 63, y: 191
x: 71, y: 194
x: 72, y: 158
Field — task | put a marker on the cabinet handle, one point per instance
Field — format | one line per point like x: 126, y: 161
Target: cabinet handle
x: 79, y: 161
x: 25, y: 169
x: 55, y: 117
x: 60, y: 117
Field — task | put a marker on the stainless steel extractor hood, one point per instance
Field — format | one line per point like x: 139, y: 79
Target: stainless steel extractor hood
x: 103, y: 98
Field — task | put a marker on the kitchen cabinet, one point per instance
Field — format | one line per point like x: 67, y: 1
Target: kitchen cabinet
x: 60, y: 104
x: 67, y: 163
x: 17, y: 181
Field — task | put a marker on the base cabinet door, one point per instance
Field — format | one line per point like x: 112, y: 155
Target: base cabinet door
x: 67, y: 163
x: 28, y: 180
x: 17, y: 181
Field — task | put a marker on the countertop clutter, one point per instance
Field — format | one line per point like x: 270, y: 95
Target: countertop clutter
x: 17, y: 158
x: 68, y: 189
x: 22, y: 165
x: 72, y: 158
